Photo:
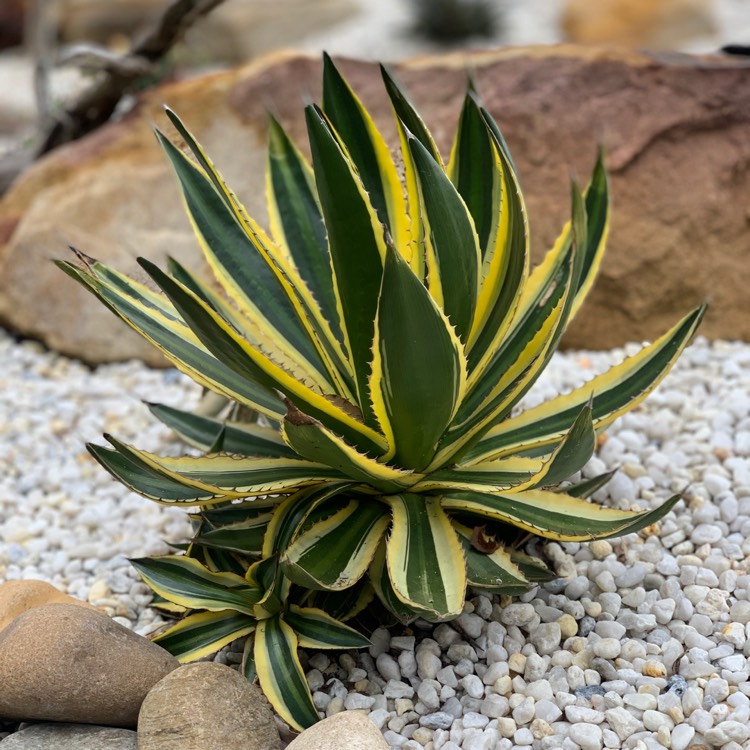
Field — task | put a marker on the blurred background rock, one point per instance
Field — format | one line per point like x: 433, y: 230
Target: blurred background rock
x: 663, y: 118
x: 240, y: 30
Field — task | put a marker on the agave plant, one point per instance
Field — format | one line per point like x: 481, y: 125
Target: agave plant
x: 385, y: 329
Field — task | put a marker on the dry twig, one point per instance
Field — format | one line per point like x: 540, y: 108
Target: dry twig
x: 97, y: 104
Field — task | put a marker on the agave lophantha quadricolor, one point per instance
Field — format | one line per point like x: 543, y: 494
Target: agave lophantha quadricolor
x: 385, y: 330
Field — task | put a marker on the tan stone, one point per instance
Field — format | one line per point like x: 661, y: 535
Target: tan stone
x: 650, y: 24
x: 675, y: 129
x: 17, y: 597
x: 63, y: 662
x: 348, y: 730
x: 206, y: 705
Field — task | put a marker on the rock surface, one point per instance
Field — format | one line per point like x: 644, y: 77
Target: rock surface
x: 63, y: 662
x: 349, y: 730
x: 71, y: 737
x: 675, y: 130
x: 16, y: 597
x: 206, y: 705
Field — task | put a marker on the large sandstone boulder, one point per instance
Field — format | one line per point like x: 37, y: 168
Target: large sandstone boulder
x: 675, y: 129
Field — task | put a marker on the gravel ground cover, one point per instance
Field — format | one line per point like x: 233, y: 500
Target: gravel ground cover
x: 642, y: 642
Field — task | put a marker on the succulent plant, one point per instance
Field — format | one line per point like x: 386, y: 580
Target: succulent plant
x: 386, y: 329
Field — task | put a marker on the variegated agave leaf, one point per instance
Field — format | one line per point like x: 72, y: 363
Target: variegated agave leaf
x: 385, y: 328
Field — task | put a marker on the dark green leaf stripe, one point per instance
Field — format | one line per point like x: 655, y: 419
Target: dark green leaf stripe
x: 334, y: 553
x: 248, y: 475
x: 509, y: 279
x: 355, y: 242
x: 245, y: 536
x: 552, y: 515
x: 588, y: 487
x: 300, y: 219
x: 425, y: 560
x: 179, y: 344
x: 247, y: 439
x: 292, y: 513
x: 317, y: 629
x: 417, y: 376
x: 502, y: 475
x: 572, y: 454
x: 204, y: 633
x: 350, y: 121
x: 452, y: 239
x: 495, y: 570
x: 146, y: 481
x: 281, y: 675
x: 187, y: 582
x: 238, y: 254
x: 407, y: 114
x: 471, y: 170
x: 635, y: 377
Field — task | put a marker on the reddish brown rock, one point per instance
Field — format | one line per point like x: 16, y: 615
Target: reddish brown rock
x: 675, y: 128
x: 62, y: 662
x: 17, y: 597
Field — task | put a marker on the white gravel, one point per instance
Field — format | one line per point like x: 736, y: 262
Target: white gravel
x: 642, y: 643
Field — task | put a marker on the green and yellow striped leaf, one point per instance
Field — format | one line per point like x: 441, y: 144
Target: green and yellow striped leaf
x: 335, y: 552
x: 310, y: 439
x: 204, y: 633
x: 554, y: 515
x: 247, y: 273
x: 208, y: 434
x: 452, y: 248
x: 368, y: 152
x: 292, y: 513
x: 570, y: 456
x: 226, y: 477
x: 611, y: 394
x: 286, y: 280
x: 157, y: 321
x: 493, y: 569
x: 506, y: 261
x: 355, y: 242
x: 253, y: 364
x: 155, y: 484
x: 280, y: 673
x: 317, y: 629
x: 485, y: 477
x: 418, y: 369
x: 245, y: 537
x: 296, y: 221
x: 426, y: 562
x: 185, y: 581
